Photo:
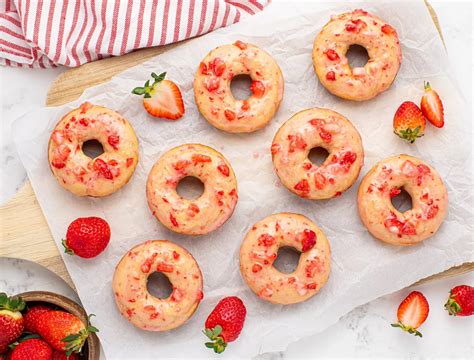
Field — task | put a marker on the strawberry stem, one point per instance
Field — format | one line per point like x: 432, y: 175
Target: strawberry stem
x: 12, y: 303
x: 218, y: 343
x: 147, y: 88
x: 408, y: 329
x: 452, y: 307
x: 74, y: 342
x: 427, y: 85
x: 67, y: 249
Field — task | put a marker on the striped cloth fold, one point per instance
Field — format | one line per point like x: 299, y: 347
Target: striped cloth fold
x: 46, y: 33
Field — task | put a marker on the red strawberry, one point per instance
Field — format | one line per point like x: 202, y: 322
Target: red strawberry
x: 257, y: 88
x: 59, y: 355
x: 64, y: 331
x: 432, y: 107
x: 11, y: 320
x: 32, y: 349
x: 409, y: 122
x: 461, y: 301
x: 412, y: 312
x: 225, y: 323
x: 87, y: 237
x: 162, y: 98
x: 31, y: 317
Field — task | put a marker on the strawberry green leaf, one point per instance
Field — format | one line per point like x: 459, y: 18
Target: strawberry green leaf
x: 138, y: 91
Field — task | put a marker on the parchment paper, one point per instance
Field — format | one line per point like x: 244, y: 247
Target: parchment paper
x: 362, y: 268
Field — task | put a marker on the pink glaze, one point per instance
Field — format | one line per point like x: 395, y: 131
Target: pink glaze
x: 259, y: 250
x: 214, y: 97
x: 429, y: 200
x: 192, y: 217
x: 332, y: 66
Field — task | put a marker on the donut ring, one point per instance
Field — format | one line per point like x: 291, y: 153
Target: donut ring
x: 193, y: 217
x: 332, y: 66
x: 78, y: 173
x: 214, y: 98
x: 427, y: 191
x: 141, y: 308
x: 259, y: 250
x: 310, y: 129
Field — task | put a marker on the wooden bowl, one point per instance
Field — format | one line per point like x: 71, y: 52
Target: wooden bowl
x: 91, y: 348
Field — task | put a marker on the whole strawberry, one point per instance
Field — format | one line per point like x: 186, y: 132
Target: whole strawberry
x: 63, y: 331
x: 87, y: 237
x: 412, y: 313
x: 31, y: 317
x: 60, y: 355
x: 432, y: 107
x: 225, y: 323
x: 409, y: 122
x: 461, y: 301
x: 30, y: 349
x: 11, y: 319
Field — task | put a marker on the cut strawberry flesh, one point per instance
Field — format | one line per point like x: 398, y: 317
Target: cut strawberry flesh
x: 166, y: 101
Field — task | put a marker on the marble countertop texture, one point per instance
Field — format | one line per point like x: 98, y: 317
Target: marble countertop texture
x: 363, y: 333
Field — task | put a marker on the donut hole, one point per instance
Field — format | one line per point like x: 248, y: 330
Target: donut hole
x: 357, y: 56
x: 92, y: 148
x: 190, y: 188
x: 402, y: 202
x: 240, y: 86
x: 318, y: 155
x: 287, y: 259
x: 159, y: 285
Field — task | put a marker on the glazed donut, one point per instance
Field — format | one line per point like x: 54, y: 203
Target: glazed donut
x: 421, y: 182
x: 78, y: 173
x: 333, y: 68
x: 214, y: 98
x: 192, y: 217
x: 310, y: 129
x: 259, y: 250
x: 141, y: 308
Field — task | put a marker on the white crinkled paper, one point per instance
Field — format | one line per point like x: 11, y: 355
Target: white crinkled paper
x: 362, y: 268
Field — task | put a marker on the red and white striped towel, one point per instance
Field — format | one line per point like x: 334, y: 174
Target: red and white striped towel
x: 46, y: 33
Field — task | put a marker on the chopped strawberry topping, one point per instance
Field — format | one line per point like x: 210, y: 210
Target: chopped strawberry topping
x: 113, y: 140
x: 346, y: 159
x: 241, y: 45
x: 217, y: 66
x: 360, y: 12
x: 233, y: 192
x: 229, y: 115
x: 181, y: 165
x: 311, y: 286
x: 175, y: 255
x: 331, y: 76
x: 154, y: 315
x: 256, y: 268
x: 176, y: 295
x: 129, y: 162
x: 432, y: 211
x: 200, y: 295
x: 149, y: 308
x: 394, y: 192
x: 57, y: 137
x: 275, y: 148
x: 198, y: 158
x: 422, y: 171
x: 296, y: 142
x: 173, y: 220
x: 398, y: 227
x: 317, y: 122
x: 84, y: 122
x: 326, y: 136
x: 162, y: 267
x: 266, y: 240
x: 302, y: 186
x: 332, y: 55
x: 307, y: 238
x: 313, y: 267
x: 58, y: 164
x: 146, y: 266
x: 307, y: 165
x: 257, y: 88
x: 224, y: 169
x: 355, y: 25
x: 103, y: 169
x: 193, y: 208
x: 203, y: 68
x: 84, y: 107
x: 245, y: 105
x: 211, y: 84
x: 387, y: 29
x: 319, y: 181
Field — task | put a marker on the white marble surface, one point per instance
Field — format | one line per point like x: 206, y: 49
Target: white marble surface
x: 365, y: 331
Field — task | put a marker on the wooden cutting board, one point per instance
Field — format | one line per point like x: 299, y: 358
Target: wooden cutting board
x: 24, y: 231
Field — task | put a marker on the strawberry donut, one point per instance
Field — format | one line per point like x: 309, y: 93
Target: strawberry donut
x: 144, y: 310
x: 80, y: 174
x: 332, y: 66
x: 259, y: 250
x: 317, y: 128
x: 192, y: 217
x: 214, y: 97
x: 421, y: 182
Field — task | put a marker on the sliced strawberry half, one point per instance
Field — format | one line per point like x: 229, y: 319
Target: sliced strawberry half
x: 432, y: 107
x: 412, y: 312
x: 162, y: 99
